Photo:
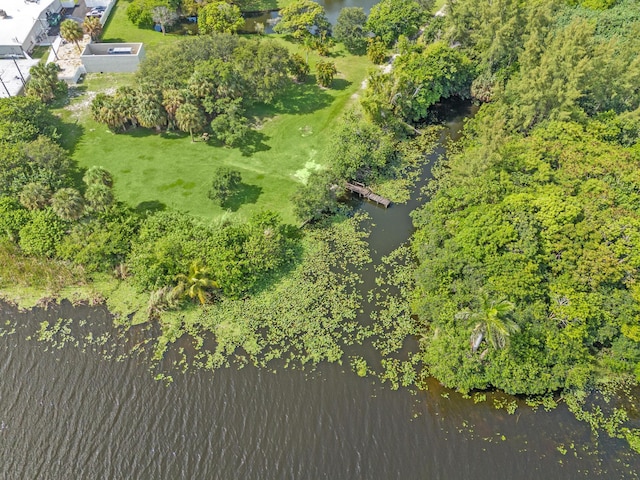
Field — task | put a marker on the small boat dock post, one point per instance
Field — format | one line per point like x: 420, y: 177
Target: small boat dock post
x: 365, y: 192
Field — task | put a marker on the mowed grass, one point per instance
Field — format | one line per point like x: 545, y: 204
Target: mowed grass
x: 169, y: 171
x: 120, y: 29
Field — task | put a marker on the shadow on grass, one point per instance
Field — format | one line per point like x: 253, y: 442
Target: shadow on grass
x: 254, y: 142
x: 140, y: 132
x: 70, y: 133
x: 302, y: 98
x: 150, y: 206
x: 339, y: 84
x: 244, y: 194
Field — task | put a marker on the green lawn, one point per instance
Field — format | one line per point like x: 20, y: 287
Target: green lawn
x: 120, y: 29
x: 170, y: 169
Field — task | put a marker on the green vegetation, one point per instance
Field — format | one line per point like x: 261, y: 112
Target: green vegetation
x: 285, y: 147
x: 350, y: 29
x: 531, y: 223
x: 219, y: 17
x: 521, y: 276
x: 225, y: 183
x: 391, y: 18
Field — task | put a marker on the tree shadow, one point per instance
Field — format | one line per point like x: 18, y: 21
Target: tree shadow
x: 70, y: 133
x: 253, y: 142
x: 140, y: 132
x: 243, y: 194
x: 151, y: 206
x: 173, y: 134
x: 336, y: 53
x: 302, y: 98
x: 339, y: 84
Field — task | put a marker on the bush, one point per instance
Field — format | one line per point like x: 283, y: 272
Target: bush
x: 12, y: 218
x: 225, y: 181
x: 377, y: 52
x: 42, y: 234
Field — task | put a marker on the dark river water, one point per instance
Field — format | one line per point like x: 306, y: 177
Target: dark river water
x: 81, y: 412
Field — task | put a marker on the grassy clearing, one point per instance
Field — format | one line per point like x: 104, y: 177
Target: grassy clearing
x: 169, y: 171
x: 120, y: 29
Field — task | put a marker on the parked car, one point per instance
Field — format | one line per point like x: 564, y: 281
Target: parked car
x: 95, y: 12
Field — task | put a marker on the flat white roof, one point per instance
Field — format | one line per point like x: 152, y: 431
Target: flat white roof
x: 22, y: 15
x: 10, y: 75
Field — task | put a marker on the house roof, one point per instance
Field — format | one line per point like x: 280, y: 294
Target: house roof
x: 22, y: 15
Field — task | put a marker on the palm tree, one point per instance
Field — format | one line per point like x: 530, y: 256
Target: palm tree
x: 149, y: 110
x: 491, y: 322
x: 98, y: 175
x: 110, y: 110
x: 190, y: 119
x: 34, y: 196
x: 325, y: 73
x: 171, y: 101
x: 92, y: 27
x: 99, y: 196
x: 67, y: 204
x: 196, y: 282
x: 125, y: 99
x: 44, y: 81
x: 71, y: 32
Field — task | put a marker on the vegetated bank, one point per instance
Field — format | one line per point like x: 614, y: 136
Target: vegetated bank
x: 526, y: 266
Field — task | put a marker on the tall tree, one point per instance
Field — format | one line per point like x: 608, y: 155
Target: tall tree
x: 225, y: 181
x: 71, y: 32
x: 350, y: 29
x: 34, y: 196
x: 171, y: 101
x: 44, y: 81
x: 97, y: 175
x: 219, y: 17
x: 490, y: 321
x: 391, y: 18
x: 164, y: 16
x: 190, y: 118
x: 92, y: 27
x: 99, y: 196
x: 150, y: 112
x: 302, y: 19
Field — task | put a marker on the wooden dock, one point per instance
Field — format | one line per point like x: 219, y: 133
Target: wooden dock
x: 365, y: 192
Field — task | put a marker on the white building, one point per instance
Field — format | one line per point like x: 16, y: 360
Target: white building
x: 25, y: 24
x: 112, y: 57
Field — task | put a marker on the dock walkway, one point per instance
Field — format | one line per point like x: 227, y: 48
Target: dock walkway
x: 365, y: 192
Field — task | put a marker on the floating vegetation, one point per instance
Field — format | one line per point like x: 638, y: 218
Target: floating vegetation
x: 306, y: 318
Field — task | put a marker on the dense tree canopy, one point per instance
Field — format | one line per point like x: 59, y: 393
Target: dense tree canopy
x: 219, y: 17
x: 303, y: 18
x: 391, y: 18
x: 529, y: 240
x: 419, y: 79
x: 201, y: 82
x: 350, y: 29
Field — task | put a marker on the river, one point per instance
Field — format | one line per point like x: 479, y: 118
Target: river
x: 84, y: 411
